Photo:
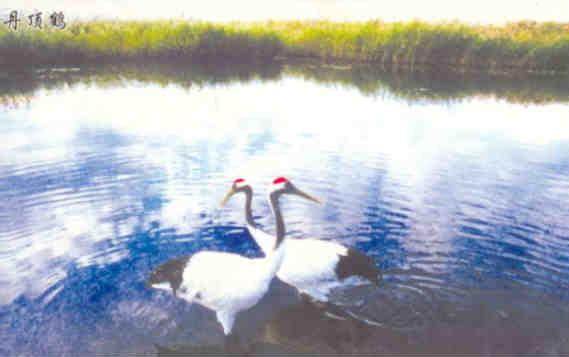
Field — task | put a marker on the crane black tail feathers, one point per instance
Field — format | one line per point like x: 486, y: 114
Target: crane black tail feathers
x: 355, y: 263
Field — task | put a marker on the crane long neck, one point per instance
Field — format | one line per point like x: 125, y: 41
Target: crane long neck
x: 248, y: 212
x: 275, y: 256
x: 280, y: 226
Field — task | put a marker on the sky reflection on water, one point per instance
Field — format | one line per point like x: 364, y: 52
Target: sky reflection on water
x: 102, y: 183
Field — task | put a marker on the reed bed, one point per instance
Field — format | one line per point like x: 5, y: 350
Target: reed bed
x: 512, y: 48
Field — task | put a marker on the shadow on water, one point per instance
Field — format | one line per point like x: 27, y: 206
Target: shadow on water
x: 437, y: 86
x: 19, y: 87
x: 479, y: 327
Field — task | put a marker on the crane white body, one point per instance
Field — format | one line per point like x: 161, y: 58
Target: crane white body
x: 227, y: 283
x: 309, y: 264
x: 313, y: 266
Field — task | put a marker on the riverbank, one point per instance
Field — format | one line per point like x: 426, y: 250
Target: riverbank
x: 517, y: 48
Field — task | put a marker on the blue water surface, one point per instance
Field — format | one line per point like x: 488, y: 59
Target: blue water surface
x: 463, y: 203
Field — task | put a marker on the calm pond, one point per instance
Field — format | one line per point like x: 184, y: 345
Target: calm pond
x: 457, y: 187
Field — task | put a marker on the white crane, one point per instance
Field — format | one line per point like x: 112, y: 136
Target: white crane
x: 227, y: 283
x: 312, y: 266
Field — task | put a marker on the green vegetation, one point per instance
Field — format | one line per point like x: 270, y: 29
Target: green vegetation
x: 514, y: 48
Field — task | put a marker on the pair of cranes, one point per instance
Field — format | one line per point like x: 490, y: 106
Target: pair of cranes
x: 228, y: 283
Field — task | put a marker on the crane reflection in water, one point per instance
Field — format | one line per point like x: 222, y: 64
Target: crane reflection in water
x: 405, y: 325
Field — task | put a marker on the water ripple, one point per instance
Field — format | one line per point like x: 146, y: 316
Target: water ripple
x: 454, y: 213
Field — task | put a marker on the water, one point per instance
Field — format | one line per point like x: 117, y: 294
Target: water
x: 457, y: 187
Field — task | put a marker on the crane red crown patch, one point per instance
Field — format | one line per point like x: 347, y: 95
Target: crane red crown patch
x: 279, y: 180
x: 239, y: 180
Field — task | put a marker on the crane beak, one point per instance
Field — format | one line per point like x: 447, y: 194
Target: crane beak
x: 300, y: 193
x: 227, y: 197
